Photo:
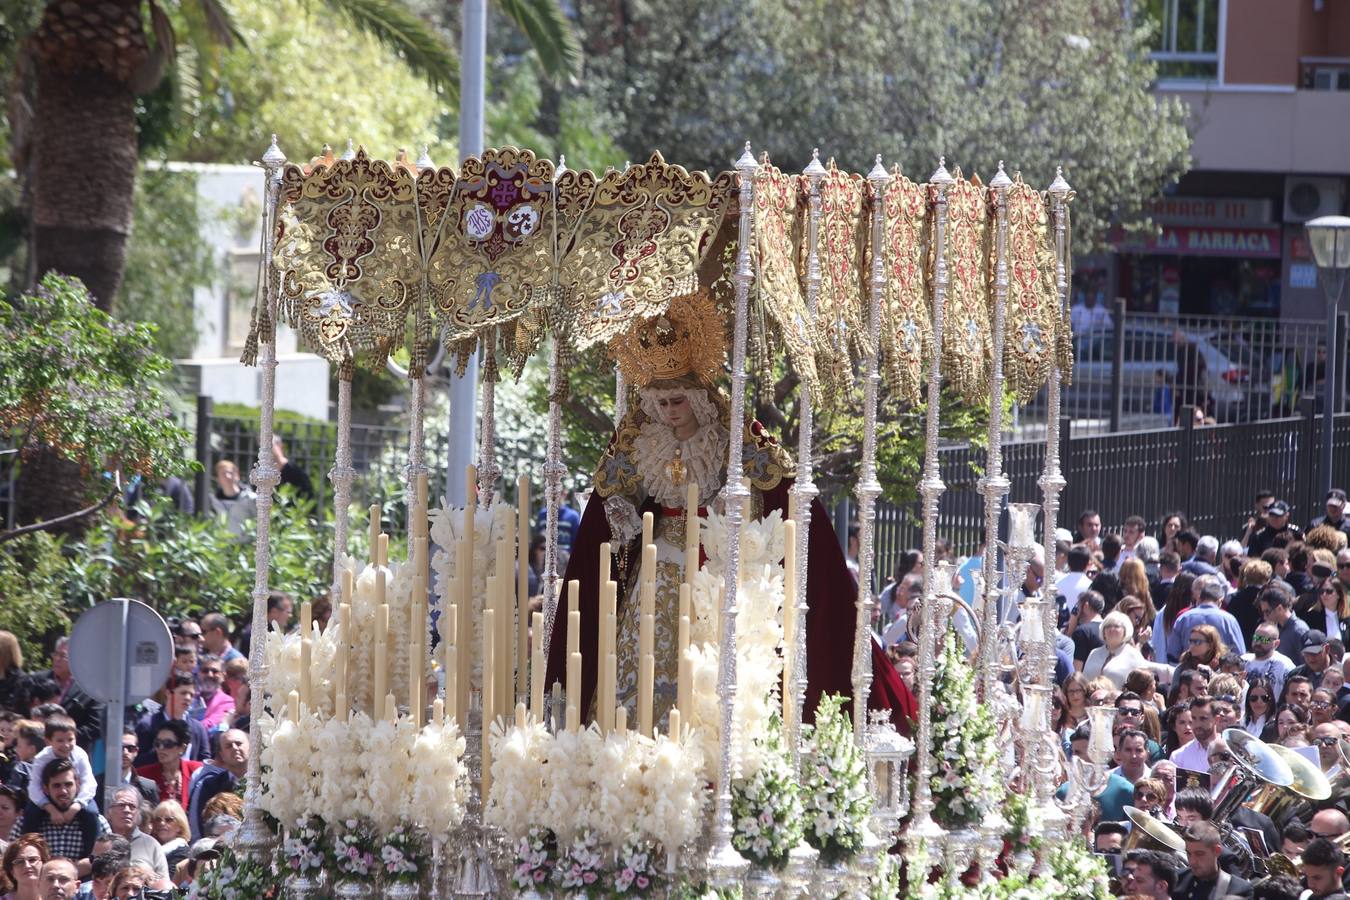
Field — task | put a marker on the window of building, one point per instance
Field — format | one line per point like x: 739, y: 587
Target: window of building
x: 1186, y: 37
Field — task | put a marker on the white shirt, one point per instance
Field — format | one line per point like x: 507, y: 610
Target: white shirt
x: 1193, y: 756
x: 1275, y: 667
x: 88, y: 786
x: 1070, y: 586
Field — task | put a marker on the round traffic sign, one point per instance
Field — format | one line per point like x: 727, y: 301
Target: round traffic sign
x: 95, y: 651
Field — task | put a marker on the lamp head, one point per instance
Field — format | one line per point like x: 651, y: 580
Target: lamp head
x: 1330, y: 240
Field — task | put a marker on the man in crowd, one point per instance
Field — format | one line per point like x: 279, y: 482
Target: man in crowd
x: 124, y: 817
x: 182, y: 692
x: 74, y: 839
x: 221, y: 775
x: 1086, y: 627
x: 214, y: 705
x: 1131, y: 533
x: 1316, y: 658
x: 1203, y: 562
x: 1195, y: 754
x: 896, y: 620
x: 1090, y: 529
x: 1131, y: 756
x: 1325, y: 737
x: 1206, y: 612
x: 216, y: 637
x: 1149, y: 874
x: 1070, y: 585
x: 1323, y: 870
x: 280, y: 606
x: 1264, y: 661
x: 1276, y: 604
x: 60, y: 879
x: 1204, y: 880
x: 1335, y: 517
x: 1277, y: 528
x: 1109, y: 837
x: 131, y: 748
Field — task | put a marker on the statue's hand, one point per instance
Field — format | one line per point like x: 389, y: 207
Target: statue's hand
x: 624, y: 521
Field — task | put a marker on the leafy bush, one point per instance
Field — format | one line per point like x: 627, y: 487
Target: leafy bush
x: 32, y: 569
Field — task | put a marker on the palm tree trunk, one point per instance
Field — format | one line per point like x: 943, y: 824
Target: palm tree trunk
x: 84, y: 152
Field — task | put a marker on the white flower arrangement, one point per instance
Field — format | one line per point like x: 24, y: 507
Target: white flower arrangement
x: 342, y: 781
x: 355, y: 848
x: 636, y: 874
x: 964, y: 747
x: 306, y: 847
x: 766, y: 809
x: 834, y: 785
x: 446, y: 525
x: 290, y: 783
x: 621, y: 789
x: 580, y: 871
x: 235, y: 877
x: 536, y: 857
x: 759, y: 636
x: 403, y: 854
x: 398, y: 587
x: 386, y: 760
x: 517, y: 799
x: 570, y: 803
x: 282, y: 652
x: 440, y: 782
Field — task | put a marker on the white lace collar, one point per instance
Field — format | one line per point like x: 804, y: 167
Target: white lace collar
x: 704, y: 456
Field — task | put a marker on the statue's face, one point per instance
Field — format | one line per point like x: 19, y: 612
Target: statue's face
x: 677, y: 412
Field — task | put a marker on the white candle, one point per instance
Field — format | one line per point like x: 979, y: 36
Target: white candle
x: 452, y: 681
x: 673, y: 728
x: 374, y: 534
x: 344, y: 647
x: 380, y: 675
x: 390, y: 708
x: 573, y: 632
x: 340, y: 706
x: 556, y: 706
x: 789, y: 618
x: 573, y: 595
x: 438, y: 712
x: 573, y: 718
x: 648, y: 521
x: 605, y: 556
x: 573, y: 684
x: 306, y: 664
x: 646, y: 676
x: 1022, y: 524
x: 606, y: 704
x: 537, y: 668
x: 685, y: 686
x: 621, y: 720
x: 293, y: 706
x: 520, y: 715
x: 522, y: 583
x: 691, y: 526
x: 1033, y: 708
x: 383, y: 542
x: 306, y: 619
x: 489, y: 645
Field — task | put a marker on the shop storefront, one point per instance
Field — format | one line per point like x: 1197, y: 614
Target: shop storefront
x: 1211, y: 256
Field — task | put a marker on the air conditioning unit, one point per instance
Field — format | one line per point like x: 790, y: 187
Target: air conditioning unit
x: 1307, y: 198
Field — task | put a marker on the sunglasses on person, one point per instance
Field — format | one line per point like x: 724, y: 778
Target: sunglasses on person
x: 1147, y: 796
x: 1327, y: 590
x: 192, y: 635
x: 1134, y: 712
x: 1326, y: 741
x: 1320, y: 704
x: 1261, y: 698
x: 1343, y: 565
x: 166, y: 744
x: 1199, y: 640
x: 1263, y: 639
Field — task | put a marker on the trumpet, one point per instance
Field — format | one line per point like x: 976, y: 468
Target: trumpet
x: 1295, y: 800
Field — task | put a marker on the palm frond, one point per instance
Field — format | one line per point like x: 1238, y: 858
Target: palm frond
x: 220, y: 22
x: 391, y: 23
x: 549, y: 32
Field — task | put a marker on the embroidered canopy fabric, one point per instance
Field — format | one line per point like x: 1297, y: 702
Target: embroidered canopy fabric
x: 370, y: 255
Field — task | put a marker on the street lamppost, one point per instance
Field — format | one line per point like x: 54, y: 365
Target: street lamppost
x: 1330, y: 239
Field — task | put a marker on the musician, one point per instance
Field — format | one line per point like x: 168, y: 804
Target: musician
x: 1147, y: 873
x: 1204, y: 880
x: 1220, y: 760
x: 1323, y: 870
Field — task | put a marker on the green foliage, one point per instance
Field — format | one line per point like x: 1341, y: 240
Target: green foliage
x: 188, y: 566
x: 166, y: 259
x: 834, y: 790
x: 32, y: 570
x: 313, y: 78
x: 1034, y: 82
x: 85, y: 386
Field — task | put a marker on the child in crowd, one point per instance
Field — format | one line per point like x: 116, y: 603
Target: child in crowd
x: 60, y: 734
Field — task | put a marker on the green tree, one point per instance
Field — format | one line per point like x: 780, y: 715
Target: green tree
x: 82, y: 402
x: 82, y: 67
x: 1034, y: 82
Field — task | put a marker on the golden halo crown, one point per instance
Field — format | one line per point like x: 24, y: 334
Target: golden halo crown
x: 687, y: 340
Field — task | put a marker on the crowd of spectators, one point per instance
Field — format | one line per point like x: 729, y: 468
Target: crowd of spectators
x: 1187, y: 635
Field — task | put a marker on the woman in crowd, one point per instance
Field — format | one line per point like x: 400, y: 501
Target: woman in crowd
x: 1075, y: 700
x: 1258, y: 711
x: 169, y: 826
x: 131, y: 882
x: 1179, y: 732
x: 11, y: 672
x: 1331, y: 614
x: 1322, y: 709
x: 1139, y: 610
x: 1178, y: 601
x: 1059, y: 716
x: 1290, y: 716
x: 1206, y: 648
x: 1145, y: 684
x: 1173, y: 523
x: 22, y: 864
x: 171, y: 773
x: 1118, y: 656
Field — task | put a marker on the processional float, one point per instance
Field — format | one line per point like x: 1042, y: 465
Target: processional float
x: 851, y: 281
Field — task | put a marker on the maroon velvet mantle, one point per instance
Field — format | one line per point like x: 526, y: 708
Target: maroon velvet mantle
x: 830, y: 618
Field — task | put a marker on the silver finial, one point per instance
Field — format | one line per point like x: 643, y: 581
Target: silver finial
x: 562, y: 165
x: 878, y: 172
x: 274, y: 158
x: 747, y: 160
x: 424, y: 161
x: 1059, y: 187
x: 941, y: 175
x: 1001, y: 180
x: 814, y: 169
x: 350, y: 152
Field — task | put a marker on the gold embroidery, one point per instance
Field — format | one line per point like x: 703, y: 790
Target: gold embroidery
x: 840, y: 323
x: 907, y: 325
x: 1032, y: 316
x: 778, y: 238
x: 965, y: 333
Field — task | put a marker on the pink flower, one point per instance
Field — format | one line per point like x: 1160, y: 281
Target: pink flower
x: 643, y: 881
x: 589, y: 878
x: 540, y: 875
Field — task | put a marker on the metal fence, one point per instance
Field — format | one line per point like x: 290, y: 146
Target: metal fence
x: 1127, y: 378
x: 1211, y: 473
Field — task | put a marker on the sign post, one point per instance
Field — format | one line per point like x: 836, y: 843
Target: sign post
x: 120, y: 652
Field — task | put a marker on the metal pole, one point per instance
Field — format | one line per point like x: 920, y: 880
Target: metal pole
x: 114, y: 714
x: 462, y: 448
x: 202, y: 484
x: 1329, y: 391
x: 1118, y: 365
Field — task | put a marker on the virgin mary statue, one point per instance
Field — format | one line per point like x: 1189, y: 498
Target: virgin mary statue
x: 677, y: 433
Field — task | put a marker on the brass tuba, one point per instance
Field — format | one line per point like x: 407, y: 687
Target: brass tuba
x: 1148, y: 832
x: 1310, y: 786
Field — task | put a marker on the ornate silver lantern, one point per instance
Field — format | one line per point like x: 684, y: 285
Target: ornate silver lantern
x: 888, y: 753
